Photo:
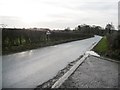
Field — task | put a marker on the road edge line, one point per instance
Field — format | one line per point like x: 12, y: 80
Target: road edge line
x: 58, y: 83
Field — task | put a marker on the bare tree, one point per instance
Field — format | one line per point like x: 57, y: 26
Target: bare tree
x: 3, y: 25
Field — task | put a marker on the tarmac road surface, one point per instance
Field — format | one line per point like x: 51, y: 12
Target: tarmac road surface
x: 31, y: 68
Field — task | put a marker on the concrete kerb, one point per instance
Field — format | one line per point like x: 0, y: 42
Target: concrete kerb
x: 66, y: 75
x: 60, y: 81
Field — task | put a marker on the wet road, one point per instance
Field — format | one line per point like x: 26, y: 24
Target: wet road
x: 32, y: 68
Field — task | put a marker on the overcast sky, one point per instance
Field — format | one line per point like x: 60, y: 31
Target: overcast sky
x: 58, y: 14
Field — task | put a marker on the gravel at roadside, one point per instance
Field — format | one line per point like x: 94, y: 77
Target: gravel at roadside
x: 94, y: 73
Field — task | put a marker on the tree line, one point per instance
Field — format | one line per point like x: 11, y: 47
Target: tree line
x: 13, y: 38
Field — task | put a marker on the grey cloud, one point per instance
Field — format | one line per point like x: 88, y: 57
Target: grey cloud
x: 99, y: 6
x: 78, y: 5
x: 79, y: 12
x: 11, y: 21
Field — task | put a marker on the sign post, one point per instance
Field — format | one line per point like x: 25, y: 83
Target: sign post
x: 48, y: 33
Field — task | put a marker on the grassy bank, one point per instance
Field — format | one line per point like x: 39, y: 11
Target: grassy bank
x: 102, y: 46
x: 103, y: 49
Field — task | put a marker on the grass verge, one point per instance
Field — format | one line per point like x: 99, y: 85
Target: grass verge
x: 102, y: 47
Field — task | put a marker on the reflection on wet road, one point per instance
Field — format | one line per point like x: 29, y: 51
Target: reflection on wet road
x: 32, y: 68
